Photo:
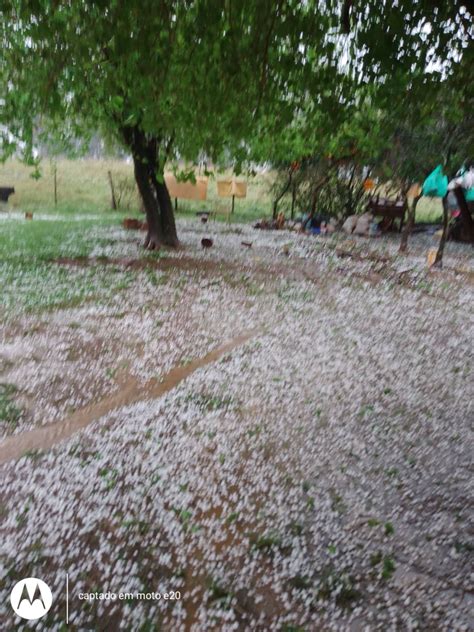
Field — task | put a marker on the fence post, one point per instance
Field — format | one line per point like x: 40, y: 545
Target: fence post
x: 55, y: 179
x: 112, y: 190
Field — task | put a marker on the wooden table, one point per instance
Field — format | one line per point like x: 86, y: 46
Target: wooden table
x: 390, y: 209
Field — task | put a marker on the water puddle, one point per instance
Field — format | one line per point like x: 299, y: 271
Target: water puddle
x: 130, y: 392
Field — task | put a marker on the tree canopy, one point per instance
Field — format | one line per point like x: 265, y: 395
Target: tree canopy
x: 254, y: 80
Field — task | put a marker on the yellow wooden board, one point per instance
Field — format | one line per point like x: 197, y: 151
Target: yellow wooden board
x: 186, y: 190
x: 229, y: 188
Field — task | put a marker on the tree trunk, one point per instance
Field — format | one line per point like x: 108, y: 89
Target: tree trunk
x: 283, y: 191
x: 275, y: 209
x: 168, y: 224
x: 314, y: 201
x: 155, y: 236
x: 467, y: 233
x: 408, y: 228
x: 154, y: 193
x: 314, y: 197
x: 438, y: 262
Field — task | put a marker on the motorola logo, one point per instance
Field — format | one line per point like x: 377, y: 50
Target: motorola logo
x: 31, y: 598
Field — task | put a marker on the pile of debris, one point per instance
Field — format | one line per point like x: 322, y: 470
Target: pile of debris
x: 361, y: 225
x: 313, y: 225
x: 277, y: 223
x: 130, y: 223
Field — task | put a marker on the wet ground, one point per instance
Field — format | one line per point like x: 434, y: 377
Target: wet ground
x: 281, y: 434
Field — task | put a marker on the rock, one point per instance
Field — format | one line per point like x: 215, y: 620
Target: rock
x: 350, y: 224
x: 363, y: 224
x: 332, y: 226
x: 131, y: 224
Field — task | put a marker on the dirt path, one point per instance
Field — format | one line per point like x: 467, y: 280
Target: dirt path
x: 131, y: 392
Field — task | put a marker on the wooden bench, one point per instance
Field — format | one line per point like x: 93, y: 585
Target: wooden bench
x: 5, y: 193
x: 389, y: 209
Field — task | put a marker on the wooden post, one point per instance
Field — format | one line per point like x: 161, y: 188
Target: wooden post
x: 293, y: 200
x: 438, y: 262
x: 55, y: 171
x: 275, y: 209
x: 409, y: 223
x: 233, y: 203
x: 112, y: 190
x: 402, y: 218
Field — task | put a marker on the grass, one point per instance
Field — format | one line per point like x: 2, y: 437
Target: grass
x: 30, y: 279
x: 110, y: 476
x: 82, y: 217
x: 43, y: 240
x: 9, y: 412
x: 219, y: 593
x: 339, y: 586
x: 208, y: 402
x: 82, y: 185
x: 387, y: 564
x: 268, y: 542
x: 388, y: 567
x: 83, y: 188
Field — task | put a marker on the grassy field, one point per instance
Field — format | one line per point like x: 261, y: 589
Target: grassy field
x: 246, y: 427
x: 31, y: 280
x: 82, y: 219
x: 78, y: 226
x: 83, y: 187
x: 265, y: 424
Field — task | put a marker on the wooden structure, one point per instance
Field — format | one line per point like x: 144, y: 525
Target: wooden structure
x: 390, y: 210
x: 232, y: 188
x: 186, y: 190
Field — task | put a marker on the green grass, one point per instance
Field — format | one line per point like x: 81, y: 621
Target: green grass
x: 43, y: 240
x: 32, y: 281
x: 429, y: 211
x: 29, y: 278
x: 339, y: 586
x: 9, y: 412
x: 82, y: 185
x: 83, y: 188
x: 208, y: 402
x: 219, y: 593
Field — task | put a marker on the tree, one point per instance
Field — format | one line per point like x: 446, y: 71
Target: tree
x: 401, y: 102
x: 130, y: 69
x: 173, y: 78
x: 166, y: 78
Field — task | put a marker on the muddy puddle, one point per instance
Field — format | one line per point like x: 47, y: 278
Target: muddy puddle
x: 130, y: 392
